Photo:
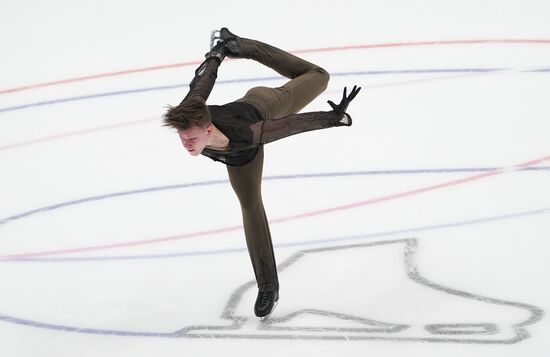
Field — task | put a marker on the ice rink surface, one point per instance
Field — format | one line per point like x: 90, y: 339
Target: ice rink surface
x: 422, y: 230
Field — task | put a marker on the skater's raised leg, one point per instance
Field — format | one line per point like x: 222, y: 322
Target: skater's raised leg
x: 308, y: 80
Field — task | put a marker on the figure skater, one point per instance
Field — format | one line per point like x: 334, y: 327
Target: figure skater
x: 235, y: 133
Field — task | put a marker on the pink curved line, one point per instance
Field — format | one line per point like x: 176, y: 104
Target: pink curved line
x: 352, y: 205
x: 324, y: 49
x: 97, y: 76
x: 75, y: 133
x: 427, y: 43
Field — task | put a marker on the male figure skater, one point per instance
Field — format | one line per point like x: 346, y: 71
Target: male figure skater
x: 235, y: 133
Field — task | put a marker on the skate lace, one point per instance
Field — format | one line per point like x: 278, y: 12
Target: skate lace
x: 265, y: 296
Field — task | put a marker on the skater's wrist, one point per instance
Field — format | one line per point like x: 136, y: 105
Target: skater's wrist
x: 215, y: 55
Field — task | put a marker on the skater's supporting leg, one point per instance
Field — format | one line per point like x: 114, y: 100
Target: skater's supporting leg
x: 246, y: 181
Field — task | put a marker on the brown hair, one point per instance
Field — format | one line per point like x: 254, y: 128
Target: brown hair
x: 190, y: 113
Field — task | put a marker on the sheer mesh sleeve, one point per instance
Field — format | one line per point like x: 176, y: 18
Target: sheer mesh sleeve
x: 270, y: 130
x: 205, y: 77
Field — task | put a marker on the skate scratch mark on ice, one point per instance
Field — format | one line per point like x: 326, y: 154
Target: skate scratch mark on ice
x: 364, y: 328
x: 371, y: 201
x: 326, y: 49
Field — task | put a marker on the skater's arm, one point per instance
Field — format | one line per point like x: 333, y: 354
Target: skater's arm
x: 206, y: 74
x: 205, y: 77
x: 274, y: 129
x: 193, y: 110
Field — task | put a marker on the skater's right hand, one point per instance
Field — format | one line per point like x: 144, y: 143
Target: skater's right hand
x: 346, y: 99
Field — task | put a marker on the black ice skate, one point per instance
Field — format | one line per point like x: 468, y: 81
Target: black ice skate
x: 228, y: 40
x: 265, y: 303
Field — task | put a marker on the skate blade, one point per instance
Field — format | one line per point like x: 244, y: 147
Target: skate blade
x: 214, y: 35
x: 266, y: 317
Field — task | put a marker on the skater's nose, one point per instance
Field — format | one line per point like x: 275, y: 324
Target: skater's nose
x: 186, y: 144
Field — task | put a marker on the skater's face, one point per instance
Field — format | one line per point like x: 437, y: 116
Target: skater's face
x: 194, y: 139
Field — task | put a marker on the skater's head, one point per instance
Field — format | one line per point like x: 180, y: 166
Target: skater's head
x: 192, y: 121
x: 190, y: 113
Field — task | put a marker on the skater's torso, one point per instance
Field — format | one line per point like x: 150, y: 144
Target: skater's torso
x: 234, y: 120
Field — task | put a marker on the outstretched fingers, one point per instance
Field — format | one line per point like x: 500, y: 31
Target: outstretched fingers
x: 345, y: 99
x: 354, y: 92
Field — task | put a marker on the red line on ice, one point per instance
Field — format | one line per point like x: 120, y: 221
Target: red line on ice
x: 325, y: 49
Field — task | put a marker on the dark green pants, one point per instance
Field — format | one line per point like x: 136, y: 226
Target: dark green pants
x: 307, y: 82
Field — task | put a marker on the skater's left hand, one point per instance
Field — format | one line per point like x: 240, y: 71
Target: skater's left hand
x: 346, y: 99
x: 217, y: 52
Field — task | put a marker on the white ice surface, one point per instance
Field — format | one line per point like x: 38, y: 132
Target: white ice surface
x: 374, y: 260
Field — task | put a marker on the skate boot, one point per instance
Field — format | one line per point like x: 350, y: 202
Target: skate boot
x: 223, y: 38
x: 265, y: 303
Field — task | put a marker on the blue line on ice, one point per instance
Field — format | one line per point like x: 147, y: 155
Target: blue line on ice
x: 261, y: 79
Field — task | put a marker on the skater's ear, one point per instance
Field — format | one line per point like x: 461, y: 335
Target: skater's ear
x: 209, y: 128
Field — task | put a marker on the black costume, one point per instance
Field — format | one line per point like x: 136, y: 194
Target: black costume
x: 263, y: 115
x: 234, y: 120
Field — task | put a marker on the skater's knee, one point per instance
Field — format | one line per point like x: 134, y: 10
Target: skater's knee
x: 317, y: 80
x: 325, y: 77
